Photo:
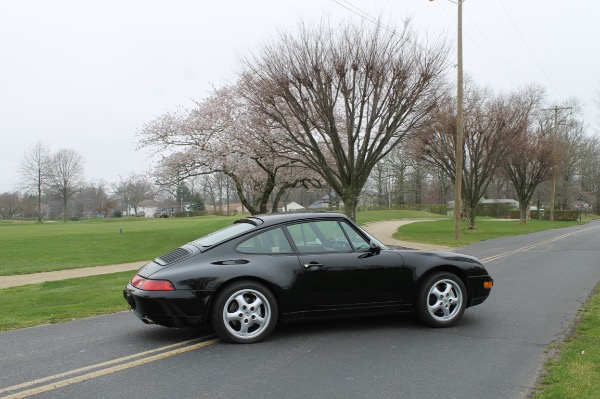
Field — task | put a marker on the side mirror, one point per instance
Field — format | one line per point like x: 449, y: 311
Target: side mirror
x: 374, y: 248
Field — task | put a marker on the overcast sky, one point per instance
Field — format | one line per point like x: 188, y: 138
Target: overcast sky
x: 86, y: 74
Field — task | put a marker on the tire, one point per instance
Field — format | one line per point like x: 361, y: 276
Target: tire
x: 244, y: 312
x: 441, y: 300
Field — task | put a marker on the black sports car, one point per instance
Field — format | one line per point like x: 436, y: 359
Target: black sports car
x: 292, y: 266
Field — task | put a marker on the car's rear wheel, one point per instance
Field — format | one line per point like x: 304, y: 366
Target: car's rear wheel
x: 441, y: 300
x: 244, y: 312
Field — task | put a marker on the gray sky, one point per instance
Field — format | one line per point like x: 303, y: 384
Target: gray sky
x: 86, y: 74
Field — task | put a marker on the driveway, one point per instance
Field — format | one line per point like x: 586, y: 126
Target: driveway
x: 384, y: 231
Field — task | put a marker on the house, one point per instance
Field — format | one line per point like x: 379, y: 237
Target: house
x: 327, y: 202
x: 146, y: 208
x: 292, y: 206
x: 511, y: 202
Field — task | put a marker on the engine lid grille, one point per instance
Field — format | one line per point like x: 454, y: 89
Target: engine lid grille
x: 173, y: 256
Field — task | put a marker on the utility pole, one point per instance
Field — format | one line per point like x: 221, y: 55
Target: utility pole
x: 459, y: 128
x: 459, y: 142
x: 554, y: 145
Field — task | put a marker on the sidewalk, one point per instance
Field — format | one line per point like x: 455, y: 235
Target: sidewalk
x: 383, y: 231
x: 36, y: 278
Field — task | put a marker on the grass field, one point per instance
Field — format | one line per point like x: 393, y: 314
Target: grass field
x: 32, y: 247
x: 575, y: 374
x: 56, y: 301
x: 441, y: 232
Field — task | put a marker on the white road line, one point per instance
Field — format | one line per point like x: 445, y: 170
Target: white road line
x: 532, y: 246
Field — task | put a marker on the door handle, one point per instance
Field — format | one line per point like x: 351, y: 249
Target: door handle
x: 312, y: 264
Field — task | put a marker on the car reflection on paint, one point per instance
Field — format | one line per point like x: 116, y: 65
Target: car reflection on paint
x: 285, y: 267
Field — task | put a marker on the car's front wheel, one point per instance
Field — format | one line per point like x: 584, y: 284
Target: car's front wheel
x: 244, y: 312
x: 441, y: 300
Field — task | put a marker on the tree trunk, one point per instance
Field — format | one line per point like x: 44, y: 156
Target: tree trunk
x: 65, y: 208
x: 523, y: 207
x: 471, y: 215
x: 39, y: 203
x: 350, y: 204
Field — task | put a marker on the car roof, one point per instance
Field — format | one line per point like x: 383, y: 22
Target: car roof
x: 285, y: 217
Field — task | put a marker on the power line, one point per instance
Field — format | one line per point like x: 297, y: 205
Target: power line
x: 357, y: 11
x: 498, y: 53
x: 527, y: 46
x: 362, y: 14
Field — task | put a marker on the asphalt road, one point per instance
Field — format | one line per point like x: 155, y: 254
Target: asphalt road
x: 497, y: 351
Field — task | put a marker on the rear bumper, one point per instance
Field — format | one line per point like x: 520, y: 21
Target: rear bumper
x: 181, y: 308
x: 477, y: 292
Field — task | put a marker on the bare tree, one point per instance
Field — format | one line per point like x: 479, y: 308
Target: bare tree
x: 571, y: 141
x: 223, y: 135
x: 132, y: 191
x: 95, y: 200
x: 344, y: 96
x: 590, y: 171
x: 66, y: 176
x: 10, y: 204
x: 527, y: 164
x: 568, y: 134
x: 491, y: 123
x: 532, y: 154
x: 34, y: 172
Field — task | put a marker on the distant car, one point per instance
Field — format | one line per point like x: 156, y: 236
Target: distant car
x: 245, y: 278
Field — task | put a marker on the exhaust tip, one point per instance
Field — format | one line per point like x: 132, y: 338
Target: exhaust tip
x: 147, y: 320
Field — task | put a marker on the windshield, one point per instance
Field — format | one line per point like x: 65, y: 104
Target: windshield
x: 222, y: 235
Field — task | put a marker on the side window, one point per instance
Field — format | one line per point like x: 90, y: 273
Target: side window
x: 358, y: 242
x: 320, y: 236
x: 270, y: 242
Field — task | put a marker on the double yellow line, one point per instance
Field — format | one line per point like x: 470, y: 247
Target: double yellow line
x: 71, y: 377
x: 532, y: 246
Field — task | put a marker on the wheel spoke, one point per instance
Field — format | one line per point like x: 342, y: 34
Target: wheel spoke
x: 244, y: 328
x: 435, y: 307
x: 454, y: 298
x: 241, y: 301
x: 232, y: 316
x: 446, y: 310
x: 448, y: 291
x: 436, y: 292
x: 256, y: 303
x: 258, y: 320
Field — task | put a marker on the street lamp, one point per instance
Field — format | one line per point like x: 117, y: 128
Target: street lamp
x: 459, y: 145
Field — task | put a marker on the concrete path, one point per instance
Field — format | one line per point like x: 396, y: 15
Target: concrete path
x: 383, y: 231
x: 36, y: 278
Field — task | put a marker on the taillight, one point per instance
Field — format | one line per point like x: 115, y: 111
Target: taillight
x: 142, y: 283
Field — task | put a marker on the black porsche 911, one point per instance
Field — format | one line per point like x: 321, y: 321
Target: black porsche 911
x: 245, y: 278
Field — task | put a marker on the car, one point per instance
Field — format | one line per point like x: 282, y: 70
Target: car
x: 284, y: 267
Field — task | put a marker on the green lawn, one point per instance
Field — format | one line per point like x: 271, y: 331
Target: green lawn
x: 32, y: 247
x: 441, y: 232
x: 56, y: 301
x: 575, y: 374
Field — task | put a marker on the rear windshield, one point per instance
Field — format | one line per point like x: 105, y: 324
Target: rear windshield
x: 223, y: 235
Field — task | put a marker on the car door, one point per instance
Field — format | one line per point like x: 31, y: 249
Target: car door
x: 341, y: 271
